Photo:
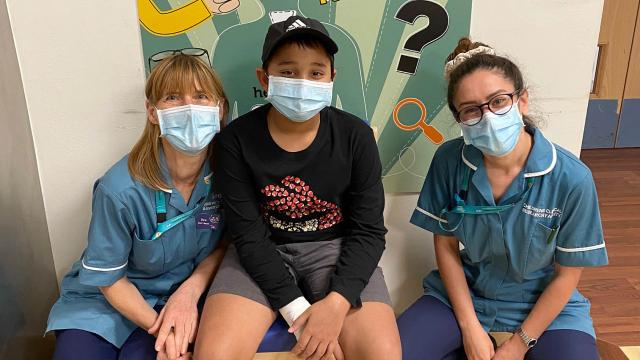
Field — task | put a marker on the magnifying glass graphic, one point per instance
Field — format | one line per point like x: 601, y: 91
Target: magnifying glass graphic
x: 429, y: 131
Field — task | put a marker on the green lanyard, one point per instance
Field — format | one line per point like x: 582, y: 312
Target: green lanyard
x: 161, y: 214
x: 462, y: 208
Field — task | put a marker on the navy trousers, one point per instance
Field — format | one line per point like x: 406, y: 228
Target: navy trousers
x: 429, y: 330
x: 74, y: 344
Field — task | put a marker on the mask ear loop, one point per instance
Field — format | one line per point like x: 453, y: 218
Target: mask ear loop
x: 221, y: 118
x: 158, y: 118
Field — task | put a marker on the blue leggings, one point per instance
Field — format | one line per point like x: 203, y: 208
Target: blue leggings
x: 429, y: 330
x: 74, y: 344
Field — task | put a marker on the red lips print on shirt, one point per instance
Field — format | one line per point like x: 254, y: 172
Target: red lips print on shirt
x: 294, y: 199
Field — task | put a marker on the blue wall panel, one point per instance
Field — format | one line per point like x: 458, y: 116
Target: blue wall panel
x: 629, y: 129
x: 601, y: 124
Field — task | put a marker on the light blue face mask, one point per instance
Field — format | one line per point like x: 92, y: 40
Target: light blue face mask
x: 297, y: 99
x: 189, y: 128
x: 495, y: 135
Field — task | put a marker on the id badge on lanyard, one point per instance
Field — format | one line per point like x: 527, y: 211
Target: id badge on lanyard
x: 165, y: 225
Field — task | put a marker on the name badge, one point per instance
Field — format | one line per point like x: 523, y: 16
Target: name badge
x: 207, y: 221
x: 209, y: 216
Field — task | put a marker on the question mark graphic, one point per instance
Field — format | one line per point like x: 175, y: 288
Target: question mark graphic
x: 409, y: 12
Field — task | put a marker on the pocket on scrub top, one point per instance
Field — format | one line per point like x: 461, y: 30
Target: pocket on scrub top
x: 148, y: 255
x: 476, y: 239
x: 540, y: 250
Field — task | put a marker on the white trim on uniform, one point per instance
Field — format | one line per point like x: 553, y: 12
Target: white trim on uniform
x: 167, y: 190
x: 469, y: 164
x: 431, y: 215
x: 588, y: 248
x: 554, y: 158
x: 103, y: 269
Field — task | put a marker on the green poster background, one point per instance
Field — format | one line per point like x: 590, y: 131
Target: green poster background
x: 371, y: 41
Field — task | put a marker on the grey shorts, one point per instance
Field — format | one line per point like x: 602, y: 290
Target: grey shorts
x: 311, y: 264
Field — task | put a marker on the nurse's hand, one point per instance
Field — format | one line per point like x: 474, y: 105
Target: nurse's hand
x: 322, y: 324
x: 477, y: 343
x: 512, y: 349
x: 179, y: 317
x: 169, y: 351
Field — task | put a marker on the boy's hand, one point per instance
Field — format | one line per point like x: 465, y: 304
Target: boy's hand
x: 322, y: 324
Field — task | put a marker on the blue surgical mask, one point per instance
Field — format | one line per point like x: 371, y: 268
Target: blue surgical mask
x: 189, y: 128
x: 495, y: 135
x: 297, y: 99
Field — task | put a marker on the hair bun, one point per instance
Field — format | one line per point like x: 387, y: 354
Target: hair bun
x: 465, y: 50
x: 464, y: 45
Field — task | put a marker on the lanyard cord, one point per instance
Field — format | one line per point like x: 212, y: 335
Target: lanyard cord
x: 463, y: 209
x: 161, y: 207
x: 165, y: 225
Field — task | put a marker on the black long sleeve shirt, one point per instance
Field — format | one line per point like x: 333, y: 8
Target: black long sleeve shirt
x: 332, y: 189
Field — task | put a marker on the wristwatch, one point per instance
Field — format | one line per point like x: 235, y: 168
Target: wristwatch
x: 528, y: 341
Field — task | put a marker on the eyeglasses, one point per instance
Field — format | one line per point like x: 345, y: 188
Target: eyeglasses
x: 159, y: 56
x: 499, y: 105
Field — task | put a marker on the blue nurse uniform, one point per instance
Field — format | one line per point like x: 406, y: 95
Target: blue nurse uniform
x: 121, y: 243
x: 509, y: 257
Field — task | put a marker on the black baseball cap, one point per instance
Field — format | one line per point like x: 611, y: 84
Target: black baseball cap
x: 296, y: 25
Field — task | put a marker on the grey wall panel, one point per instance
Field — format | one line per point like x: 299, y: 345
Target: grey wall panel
x: 28, y: 285
x: 629, y: 127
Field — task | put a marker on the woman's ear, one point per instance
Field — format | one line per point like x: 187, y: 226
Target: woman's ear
x: 523, y: 102
x: 263, y: 78
x: 152, y: 115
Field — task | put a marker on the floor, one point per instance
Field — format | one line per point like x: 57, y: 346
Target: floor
x: 614, y: 290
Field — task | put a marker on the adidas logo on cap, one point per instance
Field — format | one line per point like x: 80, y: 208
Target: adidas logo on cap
x: 296, y: 24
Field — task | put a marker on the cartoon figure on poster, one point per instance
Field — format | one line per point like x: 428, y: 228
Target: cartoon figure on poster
x: 389, y: 72
x: 182, y: 18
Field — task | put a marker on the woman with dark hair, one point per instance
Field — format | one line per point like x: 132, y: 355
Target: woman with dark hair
x: 526, y: 212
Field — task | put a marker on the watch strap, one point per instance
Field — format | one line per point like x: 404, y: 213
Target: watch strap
x: 528, y: 341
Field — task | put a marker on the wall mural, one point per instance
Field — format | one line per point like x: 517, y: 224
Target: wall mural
x: 389, y: 66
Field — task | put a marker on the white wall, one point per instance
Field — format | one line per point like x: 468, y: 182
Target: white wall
x: 28, y: 284
x: 554, y: 43
x: 83, y: 74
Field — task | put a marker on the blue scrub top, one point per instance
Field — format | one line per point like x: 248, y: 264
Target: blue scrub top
x: 509, y: 257
x: 119, y: 245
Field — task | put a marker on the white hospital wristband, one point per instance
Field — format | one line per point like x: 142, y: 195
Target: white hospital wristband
x: 292, y: 310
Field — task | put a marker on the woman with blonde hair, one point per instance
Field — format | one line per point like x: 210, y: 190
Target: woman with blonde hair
x: 154, y: 237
